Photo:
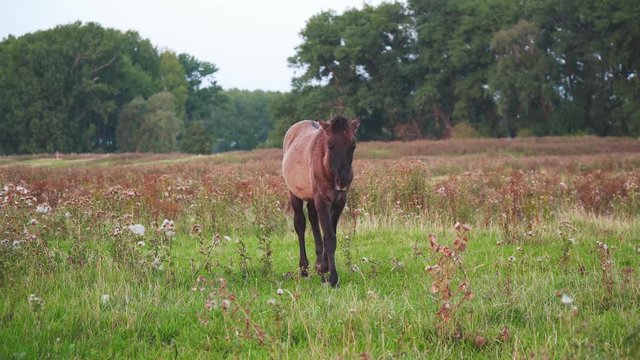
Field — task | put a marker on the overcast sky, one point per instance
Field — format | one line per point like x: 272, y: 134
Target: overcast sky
x: 249, y: 41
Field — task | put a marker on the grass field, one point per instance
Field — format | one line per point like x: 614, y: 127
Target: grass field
x: 543, y: 261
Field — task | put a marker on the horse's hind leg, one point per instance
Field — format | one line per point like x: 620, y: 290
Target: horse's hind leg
x: 317, y: 236
x: 299, y: 223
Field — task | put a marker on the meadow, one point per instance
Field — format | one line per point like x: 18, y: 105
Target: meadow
x: 479, y: 248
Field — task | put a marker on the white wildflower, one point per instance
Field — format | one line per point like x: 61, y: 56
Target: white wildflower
x: 157, y: 263
x: 141, y: 243
x: 512, y: 258
x: 566, y: 299
x: 5, y: 242
x: 271, y: 301
x: 137, y: 229
x: 225, y: 304
x: 43, y: 208
x: 33, y: 222
x: 105, y: 298
x: 280, y: 292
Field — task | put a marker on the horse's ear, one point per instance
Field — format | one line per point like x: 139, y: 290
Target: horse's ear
x: 355, y: 123
x: 325, y: 125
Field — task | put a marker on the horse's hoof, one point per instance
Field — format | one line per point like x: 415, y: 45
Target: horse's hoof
x: 334, y: 280
x: 304, y: 272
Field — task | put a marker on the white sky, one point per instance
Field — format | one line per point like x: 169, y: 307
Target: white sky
x: 249, y: 41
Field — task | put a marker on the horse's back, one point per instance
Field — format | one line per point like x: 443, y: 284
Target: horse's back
x: 296, y: 167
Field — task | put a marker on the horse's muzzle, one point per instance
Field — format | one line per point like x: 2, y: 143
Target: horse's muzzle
x: 342, y: 188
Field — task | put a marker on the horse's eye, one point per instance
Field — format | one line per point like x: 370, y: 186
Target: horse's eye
x: 330, y: 147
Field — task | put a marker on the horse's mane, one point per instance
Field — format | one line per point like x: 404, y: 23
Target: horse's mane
x: 338, y: 124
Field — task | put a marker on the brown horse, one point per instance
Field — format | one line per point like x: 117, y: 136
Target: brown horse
x: 317, y: 169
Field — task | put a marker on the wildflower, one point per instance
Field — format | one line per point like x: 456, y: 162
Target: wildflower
x: 137, y: 229
x: 105, y: 298
x: 512, y: 258
x: 519, y: 249
x: 209, y: 304
x: 33, y: 222
x: 116, y: 231
x: 431, y: 268
x: 364, y: 260
x: 141, y: 243
x: 43, y: 208
x: 67, y: 215
x: 372, y: 294
x: 479, y: 341
x: 355, y: 268
x: 5, y: 242
x: 157, y: 263
x: 271, y: 302
x: 226, y: 304
x: 17, y: 244
x: 167, y: 225
x: 35, y: 302
x: 280, y: 292
x: 227, y: 238
x: 566, y: 299
x: 196, y: 230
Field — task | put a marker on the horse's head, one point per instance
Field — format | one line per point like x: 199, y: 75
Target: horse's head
x: 341, y: 143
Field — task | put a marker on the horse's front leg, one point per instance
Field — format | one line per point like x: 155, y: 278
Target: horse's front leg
x: 328, y: 264
x: 336, y: 210
x: 317, y: 235
x: 299, y: 223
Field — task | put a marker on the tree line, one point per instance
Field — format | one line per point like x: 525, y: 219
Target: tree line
x: 84, y: 88
x: 491, y: 67
x: 420, y: 69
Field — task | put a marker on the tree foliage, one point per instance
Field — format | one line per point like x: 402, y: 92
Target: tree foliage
x: 504, y: 67
x: 243, y: 121
x: 83, y: 88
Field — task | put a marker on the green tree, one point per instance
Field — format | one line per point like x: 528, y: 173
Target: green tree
x: 362, y: 59
x: 62, y: 89
x: 129, y: 124
x: 149, y: 126
x: 244, y: 122
x: 173, y: 79
x: 196, y: 139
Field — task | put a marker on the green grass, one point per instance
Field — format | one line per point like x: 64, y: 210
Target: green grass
x: 382, y: 309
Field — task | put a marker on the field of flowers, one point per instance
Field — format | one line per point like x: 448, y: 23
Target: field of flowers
x: 500, y: 248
